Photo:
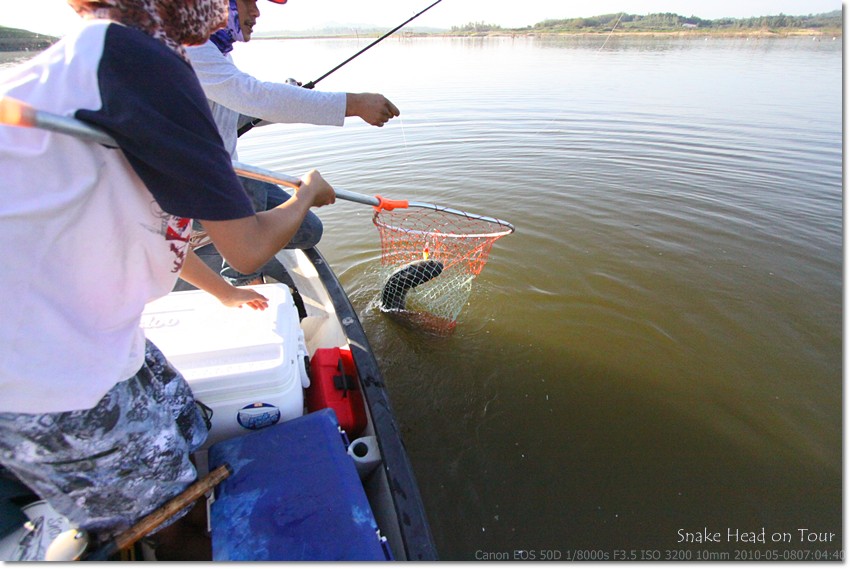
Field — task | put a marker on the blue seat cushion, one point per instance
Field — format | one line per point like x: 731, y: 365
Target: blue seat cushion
x: 294, y: 495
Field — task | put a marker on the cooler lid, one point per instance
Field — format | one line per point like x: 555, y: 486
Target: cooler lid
x: 212, y: 343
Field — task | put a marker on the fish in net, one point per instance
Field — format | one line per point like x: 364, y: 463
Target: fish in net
x: 430, y: 256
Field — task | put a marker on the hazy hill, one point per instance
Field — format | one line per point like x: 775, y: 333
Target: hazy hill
x: 831, y: 22
x: 13, y: 39
x: 348, y: 30
x: 669, y: 22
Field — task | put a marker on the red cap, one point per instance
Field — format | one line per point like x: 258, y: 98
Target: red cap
x: 278, y: 1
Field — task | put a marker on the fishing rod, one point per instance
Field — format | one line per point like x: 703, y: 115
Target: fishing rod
x: 310, y: 84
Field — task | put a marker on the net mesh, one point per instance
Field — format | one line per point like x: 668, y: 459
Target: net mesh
x: 430, y: 258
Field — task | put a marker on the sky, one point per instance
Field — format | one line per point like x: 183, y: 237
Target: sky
x: 54, y: 17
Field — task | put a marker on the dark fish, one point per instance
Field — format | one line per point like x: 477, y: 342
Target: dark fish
x: 410, y: 276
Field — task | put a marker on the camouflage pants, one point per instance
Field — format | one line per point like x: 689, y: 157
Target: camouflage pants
x: 106, y: 467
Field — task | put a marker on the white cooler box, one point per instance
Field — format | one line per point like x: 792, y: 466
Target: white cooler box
x: 246, y: 365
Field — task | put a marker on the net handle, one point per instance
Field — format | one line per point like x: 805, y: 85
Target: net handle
x: 509, y: 227
x: 257, y: 173
x: 378, y: 202
x: 14, y: 112
x: 264, y: 175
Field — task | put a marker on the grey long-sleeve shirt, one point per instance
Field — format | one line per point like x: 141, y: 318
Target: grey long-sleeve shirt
x: 232, y: 93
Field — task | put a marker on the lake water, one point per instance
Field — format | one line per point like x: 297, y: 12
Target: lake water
x: 658, y: 347
x: 657, y: 351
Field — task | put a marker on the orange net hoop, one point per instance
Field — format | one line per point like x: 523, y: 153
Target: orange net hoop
x: 449, y: 247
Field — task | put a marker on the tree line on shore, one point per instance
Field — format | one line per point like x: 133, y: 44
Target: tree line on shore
x: 666, y: 22
x: 13, y: 39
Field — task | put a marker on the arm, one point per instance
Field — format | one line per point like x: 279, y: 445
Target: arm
x: 197, y: 273
x: 167, y: 133
x: 227, y: 85
x: 373, y: 108
x: 249, y: 242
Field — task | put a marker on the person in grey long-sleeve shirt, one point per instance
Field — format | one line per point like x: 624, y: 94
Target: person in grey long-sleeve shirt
x: 234, y: 95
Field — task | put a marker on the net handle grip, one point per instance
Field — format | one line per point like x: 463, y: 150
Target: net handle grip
x: 14, y: 112
x: 389, y: 205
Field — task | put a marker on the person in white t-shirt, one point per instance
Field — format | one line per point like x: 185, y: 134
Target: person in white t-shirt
x: 93, y: 418
x: 236, y: 97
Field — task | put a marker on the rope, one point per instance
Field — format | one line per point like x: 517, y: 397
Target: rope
x: 608, y: 37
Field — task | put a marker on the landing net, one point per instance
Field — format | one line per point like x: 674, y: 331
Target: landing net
x: 431, y: 255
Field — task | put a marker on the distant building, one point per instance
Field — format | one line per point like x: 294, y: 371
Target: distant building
x: 690, y: 26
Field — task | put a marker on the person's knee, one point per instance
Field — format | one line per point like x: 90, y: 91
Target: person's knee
x: 258, y: 191
x: 309, y: 233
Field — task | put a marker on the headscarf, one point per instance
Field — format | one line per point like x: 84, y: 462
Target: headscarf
x: 173, y: 22
x: 225, y: 38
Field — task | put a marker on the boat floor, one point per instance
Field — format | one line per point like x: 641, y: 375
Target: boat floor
x: 186, y: 539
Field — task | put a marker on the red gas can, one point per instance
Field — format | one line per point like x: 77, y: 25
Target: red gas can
x: 334, y: 384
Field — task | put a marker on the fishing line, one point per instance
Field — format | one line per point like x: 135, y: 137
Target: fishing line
x: 612, y: 31
x: 407, y: 157
x: 608, y: 37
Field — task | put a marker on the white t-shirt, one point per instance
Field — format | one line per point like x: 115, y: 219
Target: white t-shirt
x: 232, y: 92
x: 90, y: 234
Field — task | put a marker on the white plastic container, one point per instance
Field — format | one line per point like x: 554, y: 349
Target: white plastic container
x: 31, y: 541
x: 246, y: 365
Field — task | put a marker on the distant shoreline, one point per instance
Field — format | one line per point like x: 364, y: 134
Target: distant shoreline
x: 619, y: 25
x: 34, y: 44
x: 43, y: 42
x: 695, y: 34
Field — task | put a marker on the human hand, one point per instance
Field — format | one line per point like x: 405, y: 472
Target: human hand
x: 316, y: 189
x: 373, y: 108
x: 237, y: 296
